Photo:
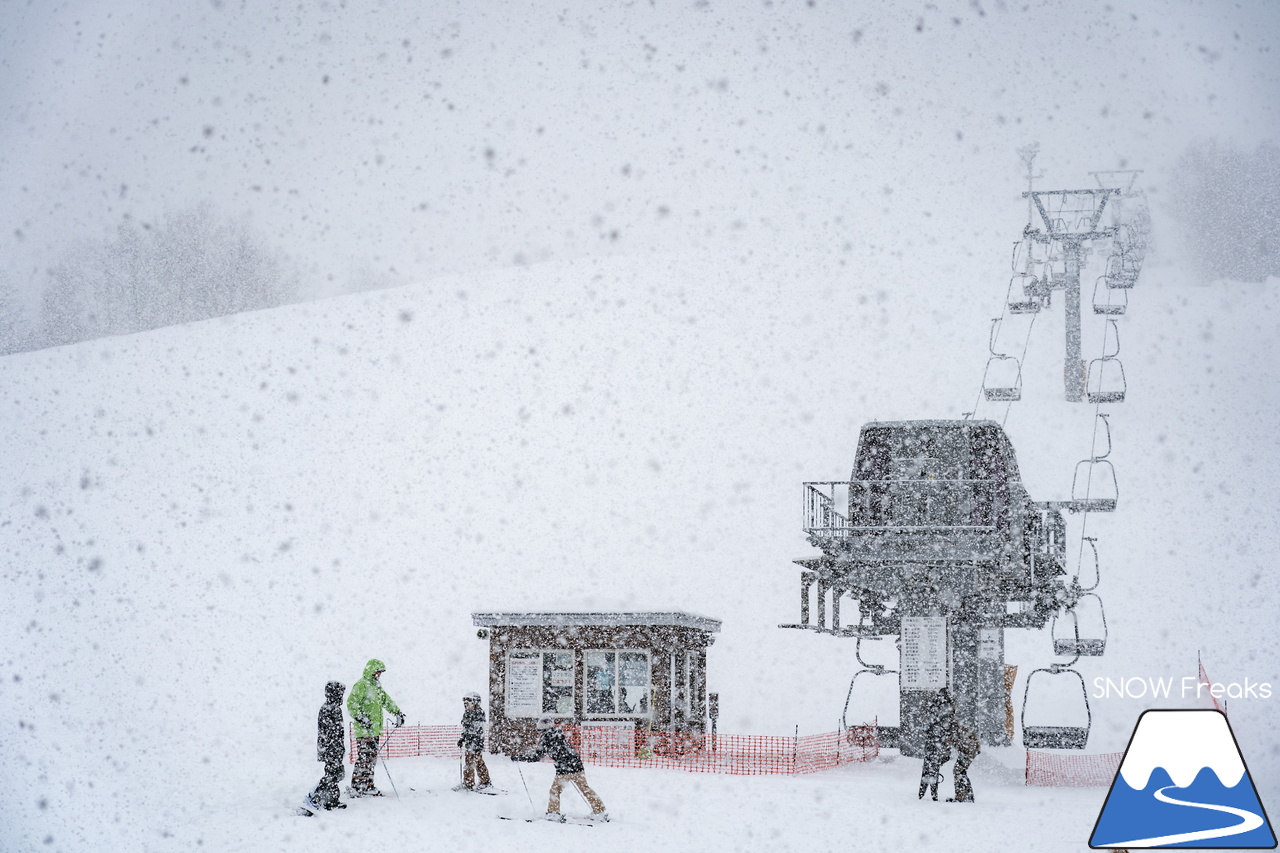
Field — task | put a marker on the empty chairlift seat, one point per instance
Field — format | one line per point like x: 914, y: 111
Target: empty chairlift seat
x: 1105, y: 382
x: 1057, y: 703
x: 1109, y: 301
x: 1093, y: 484
x: 1082, y: 630
x: 1002, y: 380
x: 1024, y: 294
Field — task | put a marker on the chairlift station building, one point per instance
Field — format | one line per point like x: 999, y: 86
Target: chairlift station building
x: 937, y: 543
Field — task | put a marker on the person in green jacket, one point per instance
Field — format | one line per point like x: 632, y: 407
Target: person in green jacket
x: 365, y: 704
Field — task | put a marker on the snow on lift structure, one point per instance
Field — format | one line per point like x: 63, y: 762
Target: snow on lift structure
x: 1106, y: 383
x: 1097, y: 491
x: 1071, y: 216
x: 1002, y: 380
x: 936, y: 539
x: 1107, y: 300
x: 1060, y: 728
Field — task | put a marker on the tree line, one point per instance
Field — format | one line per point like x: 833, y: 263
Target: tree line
x: 191, y: 265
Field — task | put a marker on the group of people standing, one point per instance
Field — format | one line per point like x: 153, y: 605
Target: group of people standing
x: 366, y: 704
x: 942, y: 732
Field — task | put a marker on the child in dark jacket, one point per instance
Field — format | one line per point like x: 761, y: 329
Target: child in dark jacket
x: 475, y: 775
x: 552, y: 742
x: 329, y: 749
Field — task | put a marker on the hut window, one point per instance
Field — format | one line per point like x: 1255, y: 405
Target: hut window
x: 617, y: 683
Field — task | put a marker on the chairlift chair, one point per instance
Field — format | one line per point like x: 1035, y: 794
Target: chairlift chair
x: 1002, y: 380
x: 1084, y: 642
x: 1099, y: 470
x: 876, y: 671
x: 1099, y: 386
x: 887, y: 734
x: 1056, y: 736
x: 1123, y: 267
x: 1108, y: 300
x: 1097, y: 564
x: 1029, y: 286
x: 1106, y: 390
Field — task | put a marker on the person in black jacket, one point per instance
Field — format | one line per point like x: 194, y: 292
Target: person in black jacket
x: 472, y: 743
x: 552, y: 742
x: 329, y: 749
x: 937, y: 741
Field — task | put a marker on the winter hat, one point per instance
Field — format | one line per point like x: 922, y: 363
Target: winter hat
x: 473, y: 696
x: 545, y: 723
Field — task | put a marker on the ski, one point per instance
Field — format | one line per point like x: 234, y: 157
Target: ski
x: 576, y: 821
x: 492, y: 793
x: 352, y: 795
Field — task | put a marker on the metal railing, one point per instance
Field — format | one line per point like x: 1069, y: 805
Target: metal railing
x: 902, y: 504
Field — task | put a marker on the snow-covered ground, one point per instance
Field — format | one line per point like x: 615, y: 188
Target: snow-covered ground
x: 205, y: 524
x: 865, y: 807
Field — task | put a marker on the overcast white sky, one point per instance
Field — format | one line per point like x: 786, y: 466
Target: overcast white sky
x: 444, y: 137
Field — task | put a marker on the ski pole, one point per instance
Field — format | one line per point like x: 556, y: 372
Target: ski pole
x: 526, y: 787
x: 384, y: 761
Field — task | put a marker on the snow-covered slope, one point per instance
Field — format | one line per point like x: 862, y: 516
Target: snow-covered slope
x: 205, y: 524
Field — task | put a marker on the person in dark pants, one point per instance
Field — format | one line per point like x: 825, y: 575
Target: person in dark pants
x: 569, y: 770
x: 937, y: 742
x: 475, y: 775
x: 329, y: 749
x: 967, y: 745
x: 366, y: 703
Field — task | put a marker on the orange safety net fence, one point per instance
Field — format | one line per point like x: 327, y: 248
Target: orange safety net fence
x: 611, y: 746
x: 1067, y: 770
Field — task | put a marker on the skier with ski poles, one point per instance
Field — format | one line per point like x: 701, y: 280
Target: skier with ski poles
x: 329, y: 749
x: 472, y: 742
x: 569, y: 770
x: 366, y: 703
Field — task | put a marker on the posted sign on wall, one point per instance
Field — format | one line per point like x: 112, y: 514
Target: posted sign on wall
x: 924, y: 652
x: 524, y: 686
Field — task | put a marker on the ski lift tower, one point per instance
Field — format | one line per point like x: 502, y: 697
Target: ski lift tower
x: 936, y: 540
x: 1070, y: 219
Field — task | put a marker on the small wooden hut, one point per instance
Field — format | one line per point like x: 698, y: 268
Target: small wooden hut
x: 641, y: 672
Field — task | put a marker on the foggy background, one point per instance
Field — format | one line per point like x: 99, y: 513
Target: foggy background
x: 365, y: 144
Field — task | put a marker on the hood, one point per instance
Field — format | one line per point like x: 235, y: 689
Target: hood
x: 333, y: 692
x: 373, y: 666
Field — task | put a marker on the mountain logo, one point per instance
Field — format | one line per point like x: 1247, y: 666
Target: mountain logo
x: 1183, y: 783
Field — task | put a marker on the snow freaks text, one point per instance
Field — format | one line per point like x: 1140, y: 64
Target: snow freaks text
x: 1187, y: 687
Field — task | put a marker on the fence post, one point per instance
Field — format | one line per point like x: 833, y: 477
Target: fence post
x: 795, y: 749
